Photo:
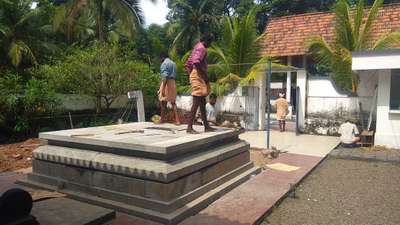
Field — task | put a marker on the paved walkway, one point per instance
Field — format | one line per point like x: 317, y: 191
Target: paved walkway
x: 248, y: 203
x: 366, y: 154
x: 304, y: 144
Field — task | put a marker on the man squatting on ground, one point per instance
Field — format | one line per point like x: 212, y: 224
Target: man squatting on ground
x: 282, y: 110
x: 211, y: 110
x: 197, y: 67
x: 349, y: 135
x: 167, y: 91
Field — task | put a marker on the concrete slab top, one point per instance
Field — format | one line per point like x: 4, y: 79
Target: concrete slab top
x: 147, y: 137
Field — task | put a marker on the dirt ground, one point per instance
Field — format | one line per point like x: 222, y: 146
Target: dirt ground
x: 344, y: 192
x: 18, y: 155
x: 258, y: 158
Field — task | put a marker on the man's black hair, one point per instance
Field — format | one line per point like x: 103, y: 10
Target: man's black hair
x: 207, y: 37
x: 164, y: 55
x: 213, y: 96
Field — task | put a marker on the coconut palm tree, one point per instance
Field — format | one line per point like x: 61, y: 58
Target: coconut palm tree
x: 106, y: 17
x: 236, y: 56
x: 22, y: 32
x: 191, y: 18
x: 352, y: 34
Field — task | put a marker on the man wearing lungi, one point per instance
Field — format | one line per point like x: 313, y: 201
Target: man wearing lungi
x: 197, y: 67
x: 167, y: 92
x: 282, y: 110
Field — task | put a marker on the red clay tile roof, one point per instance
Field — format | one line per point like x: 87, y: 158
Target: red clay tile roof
x: 286, y: 36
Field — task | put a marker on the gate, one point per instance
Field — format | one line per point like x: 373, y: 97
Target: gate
x: 251, y: 108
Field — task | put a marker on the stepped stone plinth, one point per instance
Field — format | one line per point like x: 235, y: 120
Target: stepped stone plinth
x: 153, y: 171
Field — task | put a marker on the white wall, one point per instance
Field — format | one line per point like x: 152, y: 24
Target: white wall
x: 388, y: 124
x: 324, y: 98
x: 301, y: 82
x: 81, y: 102
x: 232, y: 103
x: 376, y: 60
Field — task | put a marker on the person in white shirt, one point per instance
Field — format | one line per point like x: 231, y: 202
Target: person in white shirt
x: 211, y: 111
x: 349, y: 134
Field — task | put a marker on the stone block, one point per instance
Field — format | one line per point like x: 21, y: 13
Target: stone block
x: 138, y: 167
x: 170, y: 191
x: 224, y: 167
x: 381, y: 155
x: 119, y: 183
x: 152, y: 171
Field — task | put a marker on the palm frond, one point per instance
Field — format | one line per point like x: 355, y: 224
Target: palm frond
x: 229, y: 78
x: 358, y: 17
x: 372, y: 15
x: 261, y: 67
x: 320, y: 49
x: 28, y: 16
x: 344, y: 29
x: 18, y: 49
x: 388, y: 41
x: 4, y: 30
x: 59, y: 17
x: 72, y: 13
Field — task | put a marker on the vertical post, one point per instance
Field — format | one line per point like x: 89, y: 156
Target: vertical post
x: 140, y: 107
x: 70, y: 120
x: 289, y: 81
x: 138, y: 96
x: 269, y: 75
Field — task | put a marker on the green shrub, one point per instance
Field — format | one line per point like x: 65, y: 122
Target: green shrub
x: 103, y: 72
x: 22, y: 102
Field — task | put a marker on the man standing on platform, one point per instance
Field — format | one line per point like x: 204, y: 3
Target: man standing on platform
x: 167, y: 91
x: 197, y: 67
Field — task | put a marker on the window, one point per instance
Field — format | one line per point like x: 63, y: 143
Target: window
x: 395, y: 90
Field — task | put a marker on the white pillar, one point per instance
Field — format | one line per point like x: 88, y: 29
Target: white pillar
x: 138, y: 96
x: 288, y: 81
x: 301, y: 105
x: 262, y: 84
x: 387, y: 123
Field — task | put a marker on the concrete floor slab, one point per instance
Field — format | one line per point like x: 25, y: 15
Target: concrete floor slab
x: 148, y: 140
x: 311, y: 145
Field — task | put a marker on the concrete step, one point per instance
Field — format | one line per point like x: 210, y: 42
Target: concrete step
x: 196, y: 200
x: 136, y: 167
x: 147, y: 140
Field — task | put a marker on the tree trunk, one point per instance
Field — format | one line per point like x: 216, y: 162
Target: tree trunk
x: 100, y: 22
x: 98, y: 104
x: 354, y: 83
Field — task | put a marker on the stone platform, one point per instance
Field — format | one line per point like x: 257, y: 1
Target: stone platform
x: 157, y: 172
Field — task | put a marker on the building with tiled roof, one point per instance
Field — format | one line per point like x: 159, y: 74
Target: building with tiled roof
x: 286, y: 36
x: 310, y: 92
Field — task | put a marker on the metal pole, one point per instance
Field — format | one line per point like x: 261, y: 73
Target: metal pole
x: 269, y: 75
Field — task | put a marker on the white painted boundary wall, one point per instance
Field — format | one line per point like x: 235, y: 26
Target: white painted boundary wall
x: 324, y: 99
x: 233, y: 103
x: 81, y: 102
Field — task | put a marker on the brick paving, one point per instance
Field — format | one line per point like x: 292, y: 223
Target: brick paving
x: 389, y: 155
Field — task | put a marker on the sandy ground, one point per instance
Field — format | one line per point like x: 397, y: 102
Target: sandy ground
x: 18, y: 155
x: 344, y: 192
